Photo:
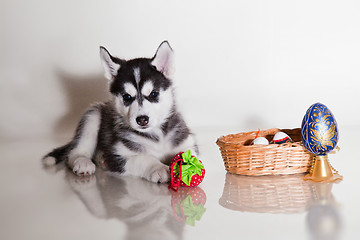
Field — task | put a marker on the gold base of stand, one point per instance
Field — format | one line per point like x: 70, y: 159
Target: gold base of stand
x: 321, y: 171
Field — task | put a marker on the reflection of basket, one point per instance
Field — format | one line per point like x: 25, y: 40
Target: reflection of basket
x: 241, y: 157
x: 266, y: 194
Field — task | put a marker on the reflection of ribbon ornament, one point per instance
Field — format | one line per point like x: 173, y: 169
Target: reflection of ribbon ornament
x: 320, y: 136
x: 188, y: 205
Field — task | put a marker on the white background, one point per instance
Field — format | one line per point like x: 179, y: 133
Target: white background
x: 246, y: 64
x: 241, y: 65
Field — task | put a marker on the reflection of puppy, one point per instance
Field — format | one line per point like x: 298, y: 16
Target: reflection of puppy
x: 144, y: 207
x: 139, y: 130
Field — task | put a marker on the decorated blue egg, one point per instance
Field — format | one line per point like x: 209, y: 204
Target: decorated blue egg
x: 319, y: 130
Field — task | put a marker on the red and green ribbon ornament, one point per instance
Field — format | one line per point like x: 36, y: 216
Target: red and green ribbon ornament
x: 185, y: 168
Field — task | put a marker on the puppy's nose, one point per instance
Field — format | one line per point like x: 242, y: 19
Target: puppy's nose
x: 142, y: 120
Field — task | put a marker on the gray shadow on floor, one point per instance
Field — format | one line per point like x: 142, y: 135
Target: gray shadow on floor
x: 80, y: 92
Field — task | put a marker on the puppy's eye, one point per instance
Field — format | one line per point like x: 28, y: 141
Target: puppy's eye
x: 154, y: 95
x: 127, y: 97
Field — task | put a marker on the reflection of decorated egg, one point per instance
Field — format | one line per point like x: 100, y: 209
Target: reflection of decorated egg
x: 260, y: 141
x: 281, y: 137
x: 319, y: 130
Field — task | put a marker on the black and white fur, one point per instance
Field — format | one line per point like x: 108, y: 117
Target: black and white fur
x: 139, y: 129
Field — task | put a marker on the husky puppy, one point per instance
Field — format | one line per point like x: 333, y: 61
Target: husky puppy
x: 139, y: 130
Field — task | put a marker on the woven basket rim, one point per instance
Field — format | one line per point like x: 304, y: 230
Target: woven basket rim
x: 221, y: 140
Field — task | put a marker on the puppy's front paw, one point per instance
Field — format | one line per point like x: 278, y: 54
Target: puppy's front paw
x: 83, y: 166
x: 159, y: 174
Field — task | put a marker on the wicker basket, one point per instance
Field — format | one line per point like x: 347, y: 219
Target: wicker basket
x: 267, y: 194
x: 240, y: 157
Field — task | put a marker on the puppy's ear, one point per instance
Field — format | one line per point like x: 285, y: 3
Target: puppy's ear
x: 111, y: 64
x: 164, y: 59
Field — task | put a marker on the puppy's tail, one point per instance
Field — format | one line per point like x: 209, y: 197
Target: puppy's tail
x: 57, y: 155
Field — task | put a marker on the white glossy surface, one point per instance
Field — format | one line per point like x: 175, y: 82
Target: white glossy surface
x: 40, y: 203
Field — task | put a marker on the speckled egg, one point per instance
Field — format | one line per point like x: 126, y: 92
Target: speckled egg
x: 319, y: 130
